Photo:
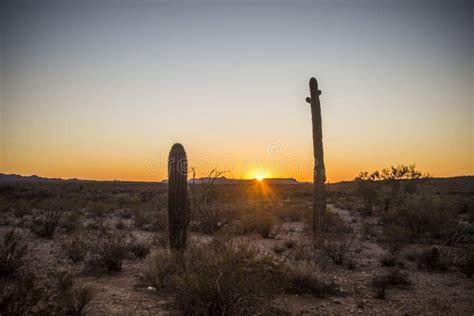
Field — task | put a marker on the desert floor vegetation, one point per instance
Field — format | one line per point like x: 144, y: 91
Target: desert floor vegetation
x: 391, y: 246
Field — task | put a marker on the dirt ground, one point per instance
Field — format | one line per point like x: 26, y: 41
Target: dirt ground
x: 430, y: 293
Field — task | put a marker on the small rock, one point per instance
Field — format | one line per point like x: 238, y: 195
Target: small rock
x: 151, y: 288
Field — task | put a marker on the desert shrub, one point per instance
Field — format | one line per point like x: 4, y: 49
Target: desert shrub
x: 394, y: 277
x: 139, y: 249
x: 20, y: 296
x: 338, y: 250
x: 223, y: 278
x: 71, y: 221
x: 21, y: 210
x: 120, y: 225
x: 160, y: 269
x: 303, y: 251
x: 466, y: 263
x: 455, y: 234
x: 75, y: 248
x: 391, y: 260
x: 434, y: 259
x: 279, y: 249
x: 396, y: 237
x: 289, y: 213
x: 13, y: 250
x: 139, y: 220
x: 290, y: 243
x: 108, y: 253
x: 55, y: 295
x: 160, y: 221
x: 258, y: 222
x: 335, y: 224
x: 421, y: 216
x: 211, y: 217
x: 350, y: 263
x: 380, y: 286
x: 64, y: 297
x: 302, y: 279
x: 126, y: 213
x: 45, y: 225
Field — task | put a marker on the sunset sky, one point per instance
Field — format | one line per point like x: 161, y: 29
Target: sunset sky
x: 102, y: 89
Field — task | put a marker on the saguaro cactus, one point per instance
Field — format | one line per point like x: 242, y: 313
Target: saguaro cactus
x: 319, y: 195
x: 178, y: 202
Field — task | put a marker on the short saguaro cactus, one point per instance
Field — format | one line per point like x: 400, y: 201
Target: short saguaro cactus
x: 178, y: 200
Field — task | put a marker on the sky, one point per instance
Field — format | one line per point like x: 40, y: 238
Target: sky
x: 103, y: 89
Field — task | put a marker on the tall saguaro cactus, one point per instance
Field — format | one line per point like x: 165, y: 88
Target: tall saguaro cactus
x: 319, y: 195
x: 178, y: 202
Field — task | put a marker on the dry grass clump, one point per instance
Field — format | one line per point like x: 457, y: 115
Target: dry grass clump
x: 434, y: 259
x: 466, y: 263
x: 120, y: 225
x: 140, y: 220
x: 75, y: 248
x: 394, y: 277
x: 219, y: 279
x: 64, y: 297
x: 338, y: 251
x: 23, y: 292
x: 211, y: 217
x: 139, y: 249
x: 215, y: 279
x: 302, y: 279
x: 161, y: 267
x: 13, y: 250
x: 291, y: 213
x: 71, y: 221
x: 257, y: 222
x: 391, y: 260
x: 20, y: 296
x: 420, y: 216
x: 108, y: 253
x: 335, y: 224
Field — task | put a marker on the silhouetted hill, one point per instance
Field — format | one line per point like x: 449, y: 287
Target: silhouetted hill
x: 445, y: 185
x: 14, y: 178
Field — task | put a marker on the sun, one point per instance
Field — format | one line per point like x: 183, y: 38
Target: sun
x: 259, y: 177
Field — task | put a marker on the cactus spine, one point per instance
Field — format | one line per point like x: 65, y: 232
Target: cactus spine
x: 178, y: 202
x: 319, y: 177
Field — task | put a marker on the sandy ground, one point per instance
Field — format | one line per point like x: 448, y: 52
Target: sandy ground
x: 430, y: 293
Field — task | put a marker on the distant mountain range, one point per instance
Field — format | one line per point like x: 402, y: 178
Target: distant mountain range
x: 35, y: 178
x: 454, y: 184
x: 14, y: 178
